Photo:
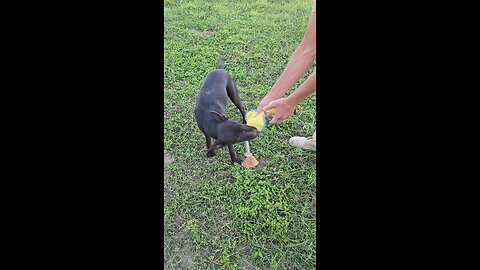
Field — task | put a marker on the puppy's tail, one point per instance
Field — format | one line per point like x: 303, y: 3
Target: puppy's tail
x: 221, y: 60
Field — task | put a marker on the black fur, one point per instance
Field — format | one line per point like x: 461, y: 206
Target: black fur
x: 210, y: 113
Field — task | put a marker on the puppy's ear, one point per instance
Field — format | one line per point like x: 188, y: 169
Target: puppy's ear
x: 218, y: 117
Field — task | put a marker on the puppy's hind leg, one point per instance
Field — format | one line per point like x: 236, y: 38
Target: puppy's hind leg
x: 232, y: 93
x: 208, y: 140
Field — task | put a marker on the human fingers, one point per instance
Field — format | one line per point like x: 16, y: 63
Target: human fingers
x: 277, y: 120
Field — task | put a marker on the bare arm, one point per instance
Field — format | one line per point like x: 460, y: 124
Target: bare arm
x: 298, y: 64
x: 286, y: 106
x: 307, y: 88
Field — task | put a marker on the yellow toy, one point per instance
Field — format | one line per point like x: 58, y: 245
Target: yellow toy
x: 259, y: 122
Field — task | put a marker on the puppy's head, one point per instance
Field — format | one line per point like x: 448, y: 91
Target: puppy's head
x: 231, y: 132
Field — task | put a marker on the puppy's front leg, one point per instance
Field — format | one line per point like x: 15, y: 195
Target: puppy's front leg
x: 233, y: 154
x: 216, y: 145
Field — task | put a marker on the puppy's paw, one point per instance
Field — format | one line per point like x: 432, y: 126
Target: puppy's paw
x: 236, y: 160
x: 210, y: 154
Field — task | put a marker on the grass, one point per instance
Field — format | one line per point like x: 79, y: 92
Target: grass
x: 219, y: 216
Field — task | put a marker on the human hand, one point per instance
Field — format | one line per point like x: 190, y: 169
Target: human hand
x: 265, y: 101
x: 284, y: 109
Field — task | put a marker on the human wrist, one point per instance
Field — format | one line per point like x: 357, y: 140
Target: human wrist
x: 275, y: 94
x: 293, y: 99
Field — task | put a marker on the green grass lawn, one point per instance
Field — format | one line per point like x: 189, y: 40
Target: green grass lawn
x: 223, y: 216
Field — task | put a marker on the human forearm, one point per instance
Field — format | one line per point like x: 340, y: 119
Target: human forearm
x: 285, y: 106
x: 304, y: 90
x: 299, y: 63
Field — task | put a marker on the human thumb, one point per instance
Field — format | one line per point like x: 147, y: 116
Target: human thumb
x: 259, y: 111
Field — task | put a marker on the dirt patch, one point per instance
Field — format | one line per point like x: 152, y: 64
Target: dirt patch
x: 167, y: 159
x: 260, y: 165
x: 181, y: 83
x: 244, y: 259
x: 201, y: 33
x: 177, y: 251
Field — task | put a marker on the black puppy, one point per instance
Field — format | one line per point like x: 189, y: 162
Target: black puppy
x: 210, y: 113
